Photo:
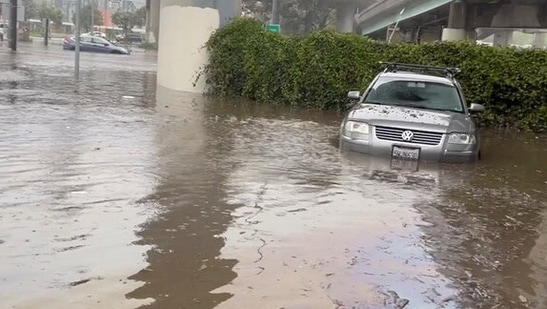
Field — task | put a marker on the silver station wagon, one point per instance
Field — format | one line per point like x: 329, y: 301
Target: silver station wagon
x: 413, y: 112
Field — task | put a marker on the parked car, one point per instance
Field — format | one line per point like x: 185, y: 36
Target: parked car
x: 96, y: 44
x: 95, y: 33
x: 411, y: 112
x: 131, y: 38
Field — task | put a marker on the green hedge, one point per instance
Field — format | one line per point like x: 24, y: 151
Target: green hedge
x: 318, y: 70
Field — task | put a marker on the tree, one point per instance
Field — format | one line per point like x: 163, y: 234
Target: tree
x: 31, y: 9
x: 54, y: 14
x: 304, y: 16
x: 126, y: 20
x: 296, y: 16
x: 85, y: 18
x: 140, y: 17
x: 259, y: 9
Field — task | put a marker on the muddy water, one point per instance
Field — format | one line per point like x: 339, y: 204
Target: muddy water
x: 118, y: 194
x: 74, y: 160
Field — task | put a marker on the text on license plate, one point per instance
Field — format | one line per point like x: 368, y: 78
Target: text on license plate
x: 405, y: 153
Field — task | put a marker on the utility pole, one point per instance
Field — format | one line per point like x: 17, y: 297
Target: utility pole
x: 275, y: 12
x: 46, y: 36
x: 77, y: 47
x: 92, y: 5
x: 148, y: 21
x: 13, y: 25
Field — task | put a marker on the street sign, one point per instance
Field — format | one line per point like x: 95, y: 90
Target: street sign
x: 274, y: 28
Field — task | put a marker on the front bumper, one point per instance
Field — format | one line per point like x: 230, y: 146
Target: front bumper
x: 383, y: 148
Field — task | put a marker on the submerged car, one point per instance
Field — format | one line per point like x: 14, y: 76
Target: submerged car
x: 413, y: 112
x: 89, y: 43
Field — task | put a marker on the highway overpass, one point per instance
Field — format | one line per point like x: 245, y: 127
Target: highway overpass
x: 419, y: 20
x: 454, y: 19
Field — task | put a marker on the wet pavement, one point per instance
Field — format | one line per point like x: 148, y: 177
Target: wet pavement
x: 115, y: 193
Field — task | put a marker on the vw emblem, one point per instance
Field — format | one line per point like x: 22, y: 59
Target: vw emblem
x: 407, y: 136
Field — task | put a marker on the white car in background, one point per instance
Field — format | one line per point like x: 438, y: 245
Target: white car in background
x: 95, y: 34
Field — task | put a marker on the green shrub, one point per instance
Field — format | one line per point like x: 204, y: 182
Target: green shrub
x: 317, y: 70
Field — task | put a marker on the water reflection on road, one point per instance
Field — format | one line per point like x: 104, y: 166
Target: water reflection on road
x: 489, y: 231
x: 172, y: 200
x: 74, y: 159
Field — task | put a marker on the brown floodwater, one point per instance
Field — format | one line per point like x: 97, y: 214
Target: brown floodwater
x: 116, y: 193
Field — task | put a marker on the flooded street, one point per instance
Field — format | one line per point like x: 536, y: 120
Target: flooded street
x: 115, y: 193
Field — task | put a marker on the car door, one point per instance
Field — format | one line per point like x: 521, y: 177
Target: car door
x: 86, y: 44
x: 101, y: 45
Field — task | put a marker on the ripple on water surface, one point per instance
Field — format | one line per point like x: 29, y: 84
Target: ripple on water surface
x: 245, y: 205
x: 74, y: 160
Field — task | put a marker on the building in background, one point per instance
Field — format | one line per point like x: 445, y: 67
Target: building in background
x: 107, y: 7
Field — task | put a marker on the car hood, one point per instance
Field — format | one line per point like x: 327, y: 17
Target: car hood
x: 411, y: 118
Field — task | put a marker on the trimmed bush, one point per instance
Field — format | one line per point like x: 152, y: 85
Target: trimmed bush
x: 318, y: 70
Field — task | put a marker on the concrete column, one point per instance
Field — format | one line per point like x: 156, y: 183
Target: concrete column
x: 147, y: 28
x: 539, y: 40
x: 457, y: 22
x: 185, y: 27
x: 345, y: 17
x: 503, y: 37
x: 451, y: 34
x: 458, y: 15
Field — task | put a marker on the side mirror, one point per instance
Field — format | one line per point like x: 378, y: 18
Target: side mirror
x: 476, y: 108
x: 355, y: 95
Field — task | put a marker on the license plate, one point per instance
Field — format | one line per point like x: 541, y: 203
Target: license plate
x: 406, y: 165
x: 405, y: 153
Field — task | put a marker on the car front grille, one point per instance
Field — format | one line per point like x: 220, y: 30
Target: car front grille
x: 420, y: 137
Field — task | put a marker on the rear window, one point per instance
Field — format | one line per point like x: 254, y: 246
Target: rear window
x: 419, y: 94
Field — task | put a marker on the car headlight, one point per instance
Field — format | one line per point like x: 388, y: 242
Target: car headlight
x: 357, y: 130
x: 461, y: 139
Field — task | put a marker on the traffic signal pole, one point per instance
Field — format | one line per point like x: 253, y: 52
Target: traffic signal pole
x: 77, y: 38
x: 13, y: 25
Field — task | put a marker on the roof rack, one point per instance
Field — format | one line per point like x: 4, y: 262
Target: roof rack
x: 394, y: 67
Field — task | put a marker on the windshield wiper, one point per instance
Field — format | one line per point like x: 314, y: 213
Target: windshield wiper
x: 445, y: 110
x: 428, y: 108
x: 374, y: 102
x: 411, y: 106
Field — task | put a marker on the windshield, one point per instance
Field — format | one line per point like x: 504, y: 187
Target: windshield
x: 418, y: 94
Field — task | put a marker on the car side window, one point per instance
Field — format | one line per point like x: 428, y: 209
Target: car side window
x: 98, y: 41
x: 85, y: 39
